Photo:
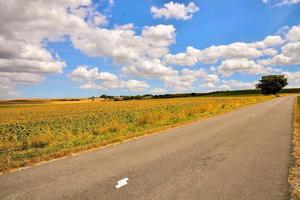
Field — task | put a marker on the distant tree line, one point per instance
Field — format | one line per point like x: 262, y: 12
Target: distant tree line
x: 65, y: 99
x: 271, y: 84
x: 186, y: 95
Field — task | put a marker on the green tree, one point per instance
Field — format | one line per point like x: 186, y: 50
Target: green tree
x: 271, y: 84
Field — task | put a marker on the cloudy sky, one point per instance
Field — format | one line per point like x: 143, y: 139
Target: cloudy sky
x: 69, y: 48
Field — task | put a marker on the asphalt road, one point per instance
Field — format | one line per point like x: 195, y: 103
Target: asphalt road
x: 239, y: 155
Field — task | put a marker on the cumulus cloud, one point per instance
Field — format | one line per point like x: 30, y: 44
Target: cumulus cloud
x: 9, y: 80
x: 126, y: 48
x: 242, y: 65
x: 182, y: 59
x: 224, y: 85
x: 175, y: 10
x: 22, y: 37
x: 235, y: 50
x: 293, y: 78
x: 290, y: 51
x: 294, y: 33
x: 25, y: 28
x: 183, y: 80
x: 92, y: 78
x: 151, y: 68
x: 269, y: 41
x: 210, y: 82
x: 91, y: 15
x: 247, y: 58
x: 235, y: 85
x: 135, y: 85
x: 83, y: 73
x: 25, y: 59
x: 23, y: 40
x: 290, y: 55
x: 282, y: 2
x: 159, y: 91
x: 158, y: 38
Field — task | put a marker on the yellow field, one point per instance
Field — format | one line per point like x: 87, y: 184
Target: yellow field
x: 32, y: 133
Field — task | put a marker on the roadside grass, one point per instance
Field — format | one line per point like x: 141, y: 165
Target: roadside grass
x: 294, y: 176
x: 31, y: 134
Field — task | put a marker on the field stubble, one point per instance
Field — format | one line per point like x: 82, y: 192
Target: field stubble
x: 33, y: 133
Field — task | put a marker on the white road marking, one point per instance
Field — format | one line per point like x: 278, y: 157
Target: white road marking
x: 122, y: 182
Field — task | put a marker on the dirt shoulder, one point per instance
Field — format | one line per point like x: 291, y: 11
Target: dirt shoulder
x: 294, y: 171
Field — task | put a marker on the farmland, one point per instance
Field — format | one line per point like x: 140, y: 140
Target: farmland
x: 30, y: 133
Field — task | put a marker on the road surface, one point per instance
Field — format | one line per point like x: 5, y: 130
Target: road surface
x: 239, y: 155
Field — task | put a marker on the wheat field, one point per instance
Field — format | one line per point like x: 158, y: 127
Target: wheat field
x: 37, y: 132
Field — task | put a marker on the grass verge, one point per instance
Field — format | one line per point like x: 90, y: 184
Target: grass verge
x: 294, y: 171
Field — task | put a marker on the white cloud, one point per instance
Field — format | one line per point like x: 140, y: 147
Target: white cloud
x: 135, y: 55
x: 281, y: 2
x: 183, y: 80
x: 135, y: 85
x: 9, y: 80
x: 158, y: 91
x: 182, y: 59
x: 144, y: 53
x: 231, y: 51
x: 235, y: 50
x: 210, y: 82
x: 212, y: 78
x: 82, y: 73
x: 91, y: 78
x: 22, y: 37
x: 124, y: 46
x: 228, y: 67
x: 25, y: 28
x: 175, y: 10
x: 158, y: 38
x: 128, y: 26
x: 290, y: 55
x: 270, y: 52
x: 269, y: 41
x: 7, y: 90
x: 91, y: 16
x: 130, y: 85
x: 288, y: 2
x: 293, y: 78
x: 152, y: 68
x: 294, y: 34
x: 28, y: 78
x: 224, y: 85
x: 214, y: 54
x: 235, y: 85
x: 290, y: 51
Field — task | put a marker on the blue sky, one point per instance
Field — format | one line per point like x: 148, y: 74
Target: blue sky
x: 88, y: 48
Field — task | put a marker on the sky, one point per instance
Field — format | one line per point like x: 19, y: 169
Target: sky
x: 83, y: 48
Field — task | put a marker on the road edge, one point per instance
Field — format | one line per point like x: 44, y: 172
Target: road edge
x: 294, y: 169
